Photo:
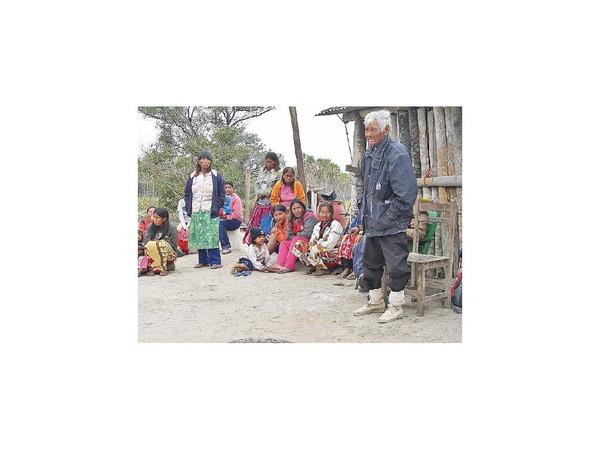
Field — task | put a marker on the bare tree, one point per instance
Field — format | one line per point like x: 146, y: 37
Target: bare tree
x: 233, y: 115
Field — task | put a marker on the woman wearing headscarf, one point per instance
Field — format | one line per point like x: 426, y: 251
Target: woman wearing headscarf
x: 268, y: 176
x: 204, y: 196
x: 160, y: 242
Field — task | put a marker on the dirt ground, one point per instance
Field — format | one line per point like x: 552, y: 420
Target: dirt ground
x: 204, y: 305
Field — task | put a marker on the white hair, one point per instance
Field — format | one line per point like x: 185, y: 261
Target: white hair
x: 382, y: 117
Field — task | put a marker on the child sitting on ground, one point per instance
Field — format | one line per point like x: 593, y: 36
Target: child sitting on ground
x: 257, y: 253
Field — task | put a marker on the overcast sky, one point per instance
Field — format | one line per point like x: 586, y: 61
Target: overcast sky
x: 323, y: 136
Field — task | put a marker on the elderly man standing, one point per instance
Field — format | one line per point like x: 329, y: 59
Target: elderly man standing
x: 390, y: 190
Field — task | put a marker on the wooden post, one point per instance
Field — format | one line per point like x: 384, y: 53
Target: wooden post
x: 358, y: 149
x: 413, y: 128
x: 437, y: 241
x: 404, y: 135
x: 454, y: 133
x: 423, y: 144
x: 447, y: 181
x: 297, y: 146
x: 394, y: 127
x: 441, y: 149
x: 248, y: 207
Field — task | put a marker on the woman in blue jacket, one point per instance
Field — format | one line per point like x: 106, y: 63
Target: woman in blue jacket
x: 204, y: 196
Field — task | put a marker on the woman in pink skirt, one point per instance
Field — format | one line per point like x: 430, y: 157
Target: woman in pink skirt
x: 300, y: 228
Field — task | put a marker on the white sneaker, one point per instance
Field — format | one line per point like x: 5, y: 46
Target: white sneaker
x: 368, y: 309
x: 390, y: 315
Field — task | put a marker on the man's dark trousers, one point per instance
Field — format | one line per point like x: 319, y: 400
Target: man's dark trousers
x: 390, y: 251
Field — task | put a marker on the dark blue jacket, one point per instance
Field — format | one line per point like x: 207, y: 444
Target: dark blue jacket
x: 390, y: 188
x: 218, y: 194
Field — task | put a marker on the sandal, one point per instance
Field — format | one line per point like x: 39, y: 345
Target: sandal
x: 310, y: 270
x: 150, y: 273
x: 284, y: 270
x: 321, y: 272
x: 352, y: 276
x: 197, y: 266
x: 345, y: 273
x: 216, y: 266
x: 162, y: 273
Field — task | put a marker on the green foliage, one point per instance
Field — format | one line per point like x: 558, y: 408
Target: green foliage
x: 144, y: 203
x: 324, y: 173
x: 184, y: 132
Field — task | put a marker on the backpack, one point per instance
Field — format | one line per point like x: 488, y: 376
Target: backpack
x: 266, y: 224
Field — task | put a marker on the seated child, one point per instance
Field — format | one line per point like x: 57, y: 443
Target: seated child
x: 320, y: 254
x: 279, y: 231
x: 257, y: 253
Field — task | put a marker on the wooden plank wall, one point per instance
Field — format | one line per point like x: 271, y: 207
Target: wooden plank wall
x: 434, y: 137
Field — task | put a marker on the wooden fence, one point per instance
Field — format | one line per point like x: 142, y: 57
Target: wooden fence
x: 434, y: 137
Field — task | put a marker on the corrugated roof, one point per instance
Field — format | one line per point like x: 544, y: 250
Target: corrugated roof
x: 346, y: 109
x: 339, y: 110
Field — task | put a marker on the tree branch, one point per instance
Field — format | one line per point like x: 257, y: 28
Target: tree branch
x: 253, y: 114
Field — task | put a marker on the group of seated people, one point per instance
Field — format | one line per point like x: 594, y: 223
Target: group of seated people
x: 279, y: 223
x: 318, y: 241
x: 157, y: 243
x: 174, y: 240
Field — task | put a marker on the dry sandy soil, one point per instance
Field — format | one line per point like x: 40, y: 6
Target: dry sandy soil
x: 204, y: 305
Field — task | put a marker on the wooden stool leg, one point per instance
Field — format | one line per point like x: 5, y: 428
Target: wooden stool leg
x: 385, y: 286
x: 420, y: 278
x: 447, y: 283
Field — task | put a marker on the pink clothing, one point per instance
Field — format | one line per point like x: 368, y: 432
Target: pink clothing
x: 236, y: 208
x: 286, y: 195
x: 285, y: 257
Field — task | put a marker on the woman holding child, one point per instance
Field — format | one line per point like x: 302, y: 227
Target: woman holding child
x: 263, y: 185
